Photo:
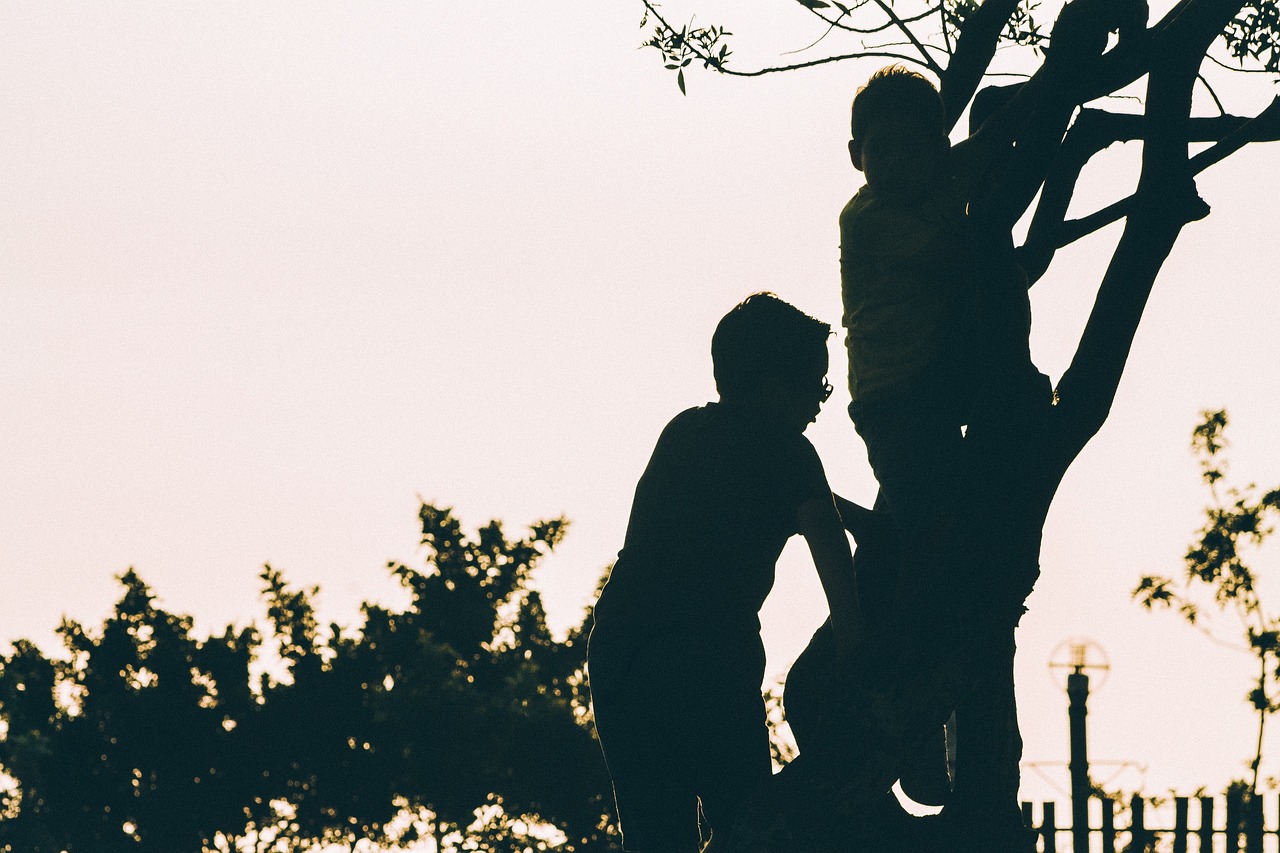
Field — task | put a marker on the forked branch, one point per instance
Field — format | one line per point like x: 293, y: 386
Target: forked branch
x: 1167, y: 200
x: 1095, y: 130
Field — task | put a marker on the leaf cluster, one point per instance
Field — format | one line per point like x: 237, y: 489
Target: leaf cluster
x: 460, y: 710
x: 1238, y: 521
x: 679, y: 48
x: 1254, y: 34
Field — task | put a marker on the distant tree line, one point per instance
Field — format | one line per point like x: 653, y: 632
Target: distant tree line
x: 459, y: 718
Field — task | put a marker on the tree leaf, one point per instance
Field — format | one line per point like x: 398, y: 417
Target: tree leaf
x: 680, y: 81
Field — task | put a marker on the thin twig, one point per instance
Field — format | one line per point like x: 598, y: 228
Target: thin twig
x: 923, y: 45
x: 835, y: 24
x: 810, y: 64
x: 1238, y: 70
x: 815, y: 42
x: 733, y: 72
x: 1212, y: 94
x: 859, y: 30
x: 906, y: 30
x: 942, y: 25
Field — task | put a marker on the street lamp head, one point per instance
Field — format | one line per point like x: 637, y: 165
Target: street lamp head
x: 1078, y: 656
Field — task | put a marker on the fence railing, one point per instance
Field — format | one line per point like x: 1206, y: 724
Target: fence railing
x: 1229, y: 825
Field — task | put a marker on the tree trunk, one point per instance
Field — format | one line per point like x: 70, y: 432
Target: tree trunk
x: 834, y: 791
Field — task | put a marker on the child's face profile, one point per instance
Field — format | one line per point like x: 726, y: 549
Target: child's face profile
x: 901, y: 157
x: 800, y: 401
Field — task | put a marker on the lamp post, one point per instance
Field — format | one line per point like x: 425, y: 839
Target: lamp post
x: 1079, y: 654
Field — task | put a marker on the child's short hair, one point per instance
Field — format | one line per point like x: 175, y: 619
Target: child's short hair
x: 762, y: 337
x: 895, y: 90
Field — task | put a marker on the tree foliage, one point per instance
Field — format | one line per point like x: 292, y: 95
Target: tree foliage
x: 459, y: 716
x: 1237, y: 522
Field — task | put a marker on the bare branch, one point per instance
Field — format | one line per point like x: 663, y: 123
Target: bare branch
x: 974, y: 51
x: 835, y: 23
x: 1231, y: 133
x: 1078, y: 43
x: 946, y: 34
x: 1237, y: 69
x: 887, y: 44
x: 1086, y: 138
x: 911, y: 37
x: 1208, y: 87
x: 1264, y: 127
x: 828, y: 31
x: 1128, y: 62
x: 861, y: 54
x: 1168, y: 201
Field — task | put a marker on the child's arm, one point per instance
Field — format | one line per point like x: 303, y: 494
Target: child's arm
x: 822, y: 530
x: 862, y: 523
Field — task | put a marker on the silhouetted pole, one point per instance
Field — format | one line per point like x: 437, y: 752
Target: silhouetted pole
x: 1081, y: 786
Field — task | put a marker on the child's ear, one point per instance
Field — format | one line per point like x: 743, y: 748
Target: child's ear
x: 855, y: 154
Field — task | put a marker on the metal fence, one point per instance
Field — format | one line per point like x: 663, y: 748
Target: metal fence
x: 1226, y: 825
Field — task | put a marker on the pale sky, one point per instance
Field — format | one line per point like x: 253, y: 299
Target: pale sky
x: 270, y: 272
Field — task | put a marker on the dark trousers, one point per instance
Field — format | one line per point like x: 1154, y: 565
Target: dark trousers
x: 681, y: 722
x: 951, y: 519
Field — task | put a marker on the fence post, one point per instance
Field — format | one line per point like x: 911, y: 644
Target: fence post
x: 1253, y: 824
x: 1108, y: 824
x: 1137, y: 824
x: 1049, y: 827
x: 1180, y: 825
x: 1206, y: 825
x: 1232, y: 829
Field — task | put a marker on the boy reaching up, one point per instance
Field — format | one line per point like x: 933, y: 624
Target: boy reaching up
x: 918, y: 305
x: 938, y: 323
x: 675, y: 656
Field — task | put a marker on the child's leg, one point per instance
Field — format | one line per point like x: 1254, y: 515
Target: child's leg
x: 916, y: 453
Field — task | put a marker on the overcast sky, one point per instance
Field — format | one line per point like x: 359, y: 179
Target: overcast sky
x: 269, y: 273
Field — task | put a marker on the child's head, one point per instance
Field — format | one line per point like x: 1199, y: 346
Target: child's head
x: 770, y: 352
x: 898, y: 132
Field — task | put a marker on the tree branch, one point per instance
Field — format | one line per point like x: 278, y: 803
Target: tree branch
x: 928, y: 60
x: 1208, y: 87
x: 713, y: 61
x: 1085, y: 139
x: 973, y: 54
x: 1075, y: 57
x: 1231, y: 133
x: 862, y: 54
x: 835, y: 23
x: 1167, y: 201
